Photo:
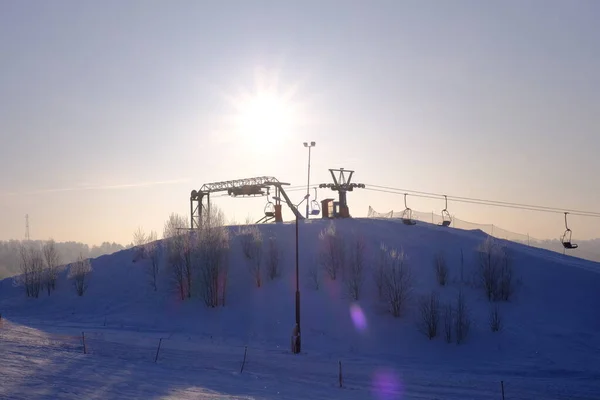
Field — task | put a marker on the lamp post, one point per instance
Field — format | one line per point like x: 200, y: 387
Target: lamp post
x: 310, y: 146
x: 299, y: 340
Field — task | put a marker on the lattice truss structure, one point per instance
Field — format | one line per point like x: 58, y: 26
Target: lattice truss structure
x: 249, y: 187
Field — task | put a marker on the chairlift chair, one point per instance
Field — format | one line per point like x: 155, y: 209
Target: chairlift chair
x: 315, y: 209
x: 566, y: 237
x: 407, y: 214
x: 269, y: 207
x: 446, y: 218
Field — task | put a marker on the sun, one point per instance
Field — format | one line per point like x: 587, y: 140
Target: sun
x: 264, y: 115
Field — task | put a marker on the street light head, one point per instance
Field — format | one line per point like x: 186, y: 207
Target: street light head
x: 312, y: 143
x: 305, y: 144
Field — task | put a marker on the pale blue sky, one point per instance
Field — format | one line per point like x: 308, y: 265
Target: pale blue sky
x: 499, y: 100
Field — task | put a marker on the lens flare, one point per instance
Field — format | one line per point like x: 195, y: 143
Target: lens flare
x: 386, y: 385
x: 358, y: 317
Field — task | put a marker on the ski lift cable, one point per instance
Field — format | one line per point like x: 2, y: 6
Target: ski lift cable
x: 495, y: 202
x: 527, y: 207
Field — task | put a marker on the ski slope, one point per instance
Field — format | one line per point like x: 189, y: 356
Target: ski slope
x: 549, y: 347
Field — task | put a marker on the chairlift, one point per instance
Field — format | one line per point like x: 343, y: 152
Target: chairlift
x: 269, y: 207
x: 407, y: 214
x: 566, y: 237
x: 315, y: 209
x: 446, y: 218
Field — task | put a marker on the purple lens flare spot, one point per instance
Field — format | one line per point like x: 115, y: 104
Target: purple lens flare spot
x: 358, y: 317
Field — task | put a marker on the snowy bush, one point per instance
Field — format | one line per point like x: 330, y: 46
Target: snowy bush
x: 332, y: 255
x: 441, y: 268
x: 429, y: 315
x: 356, y: 268
x: 79, y: 272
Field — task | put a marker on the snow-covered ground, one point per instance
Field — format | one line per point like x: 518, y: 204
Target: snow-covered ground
x: 548, y: 348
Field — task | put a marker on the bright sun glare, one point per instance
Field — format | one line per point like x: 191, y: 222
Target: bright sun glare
x: 265, y: 116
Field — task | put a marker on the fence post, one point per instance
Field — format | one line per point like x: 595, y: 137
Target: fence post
x: 340, y: 372
x: 83, y: 339
x: 157, y: 350
x: 502, y: 386
x: 244, y: 361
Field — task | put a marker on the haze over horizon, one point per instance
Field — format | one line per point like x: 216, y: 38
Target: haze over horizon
x: 112, y: 112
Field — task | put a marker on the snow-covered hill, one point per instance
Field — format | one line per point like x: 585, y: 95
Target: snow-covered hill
x: 548, y: 347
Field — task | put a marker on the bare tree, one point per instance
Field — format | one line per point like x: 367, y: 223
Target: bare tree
x: 429, y: 315
x: 173, y: 235
x: 213, y: 251
x: 313, y: 273
x: 495, y: 319
x: 462, y: 320
x: 25, y: 279
x: 31, y: 263
x: 489, y: 267
x: 273, y: 259
x: 37, y: 268
x: 441, y: 268
x: 506, y: 285
x: 139, y: 243
x: 52, y: 259
x: 495, y: 270
x: 332, y: 255
x: 398, y: 282
x: 152, y: 250
x: 190, y: 246
x: 252, y: 247
x: 448, y: 322
x: 356, y: 268
x: 379, y: 270
x: 79, y: 272
x: 139, y: 237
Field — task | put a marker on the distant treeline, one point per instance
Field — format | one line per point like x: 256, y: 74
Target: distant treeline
x: 68, y: 252
x: 588, y: 249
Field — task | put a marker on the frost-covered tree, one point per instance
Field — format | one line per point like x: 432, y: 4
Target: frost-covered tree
x: 213, y: 258
x: 174, y: 238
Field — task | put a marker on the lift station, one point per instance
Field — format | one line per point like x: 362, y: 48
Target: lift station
x: 276, y: 195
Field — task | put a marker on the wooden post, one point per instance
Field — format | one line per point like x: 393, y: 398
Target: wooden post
x: 340, y: 372
x: 83, y: 339
x: 502, y: 386
x: 157, y: 350
x: 244, y: 361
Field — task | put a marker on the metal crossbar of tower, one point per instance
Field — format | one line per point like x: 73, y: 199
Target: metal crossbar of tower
x: 249, y: 187
x: 341, y: 184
